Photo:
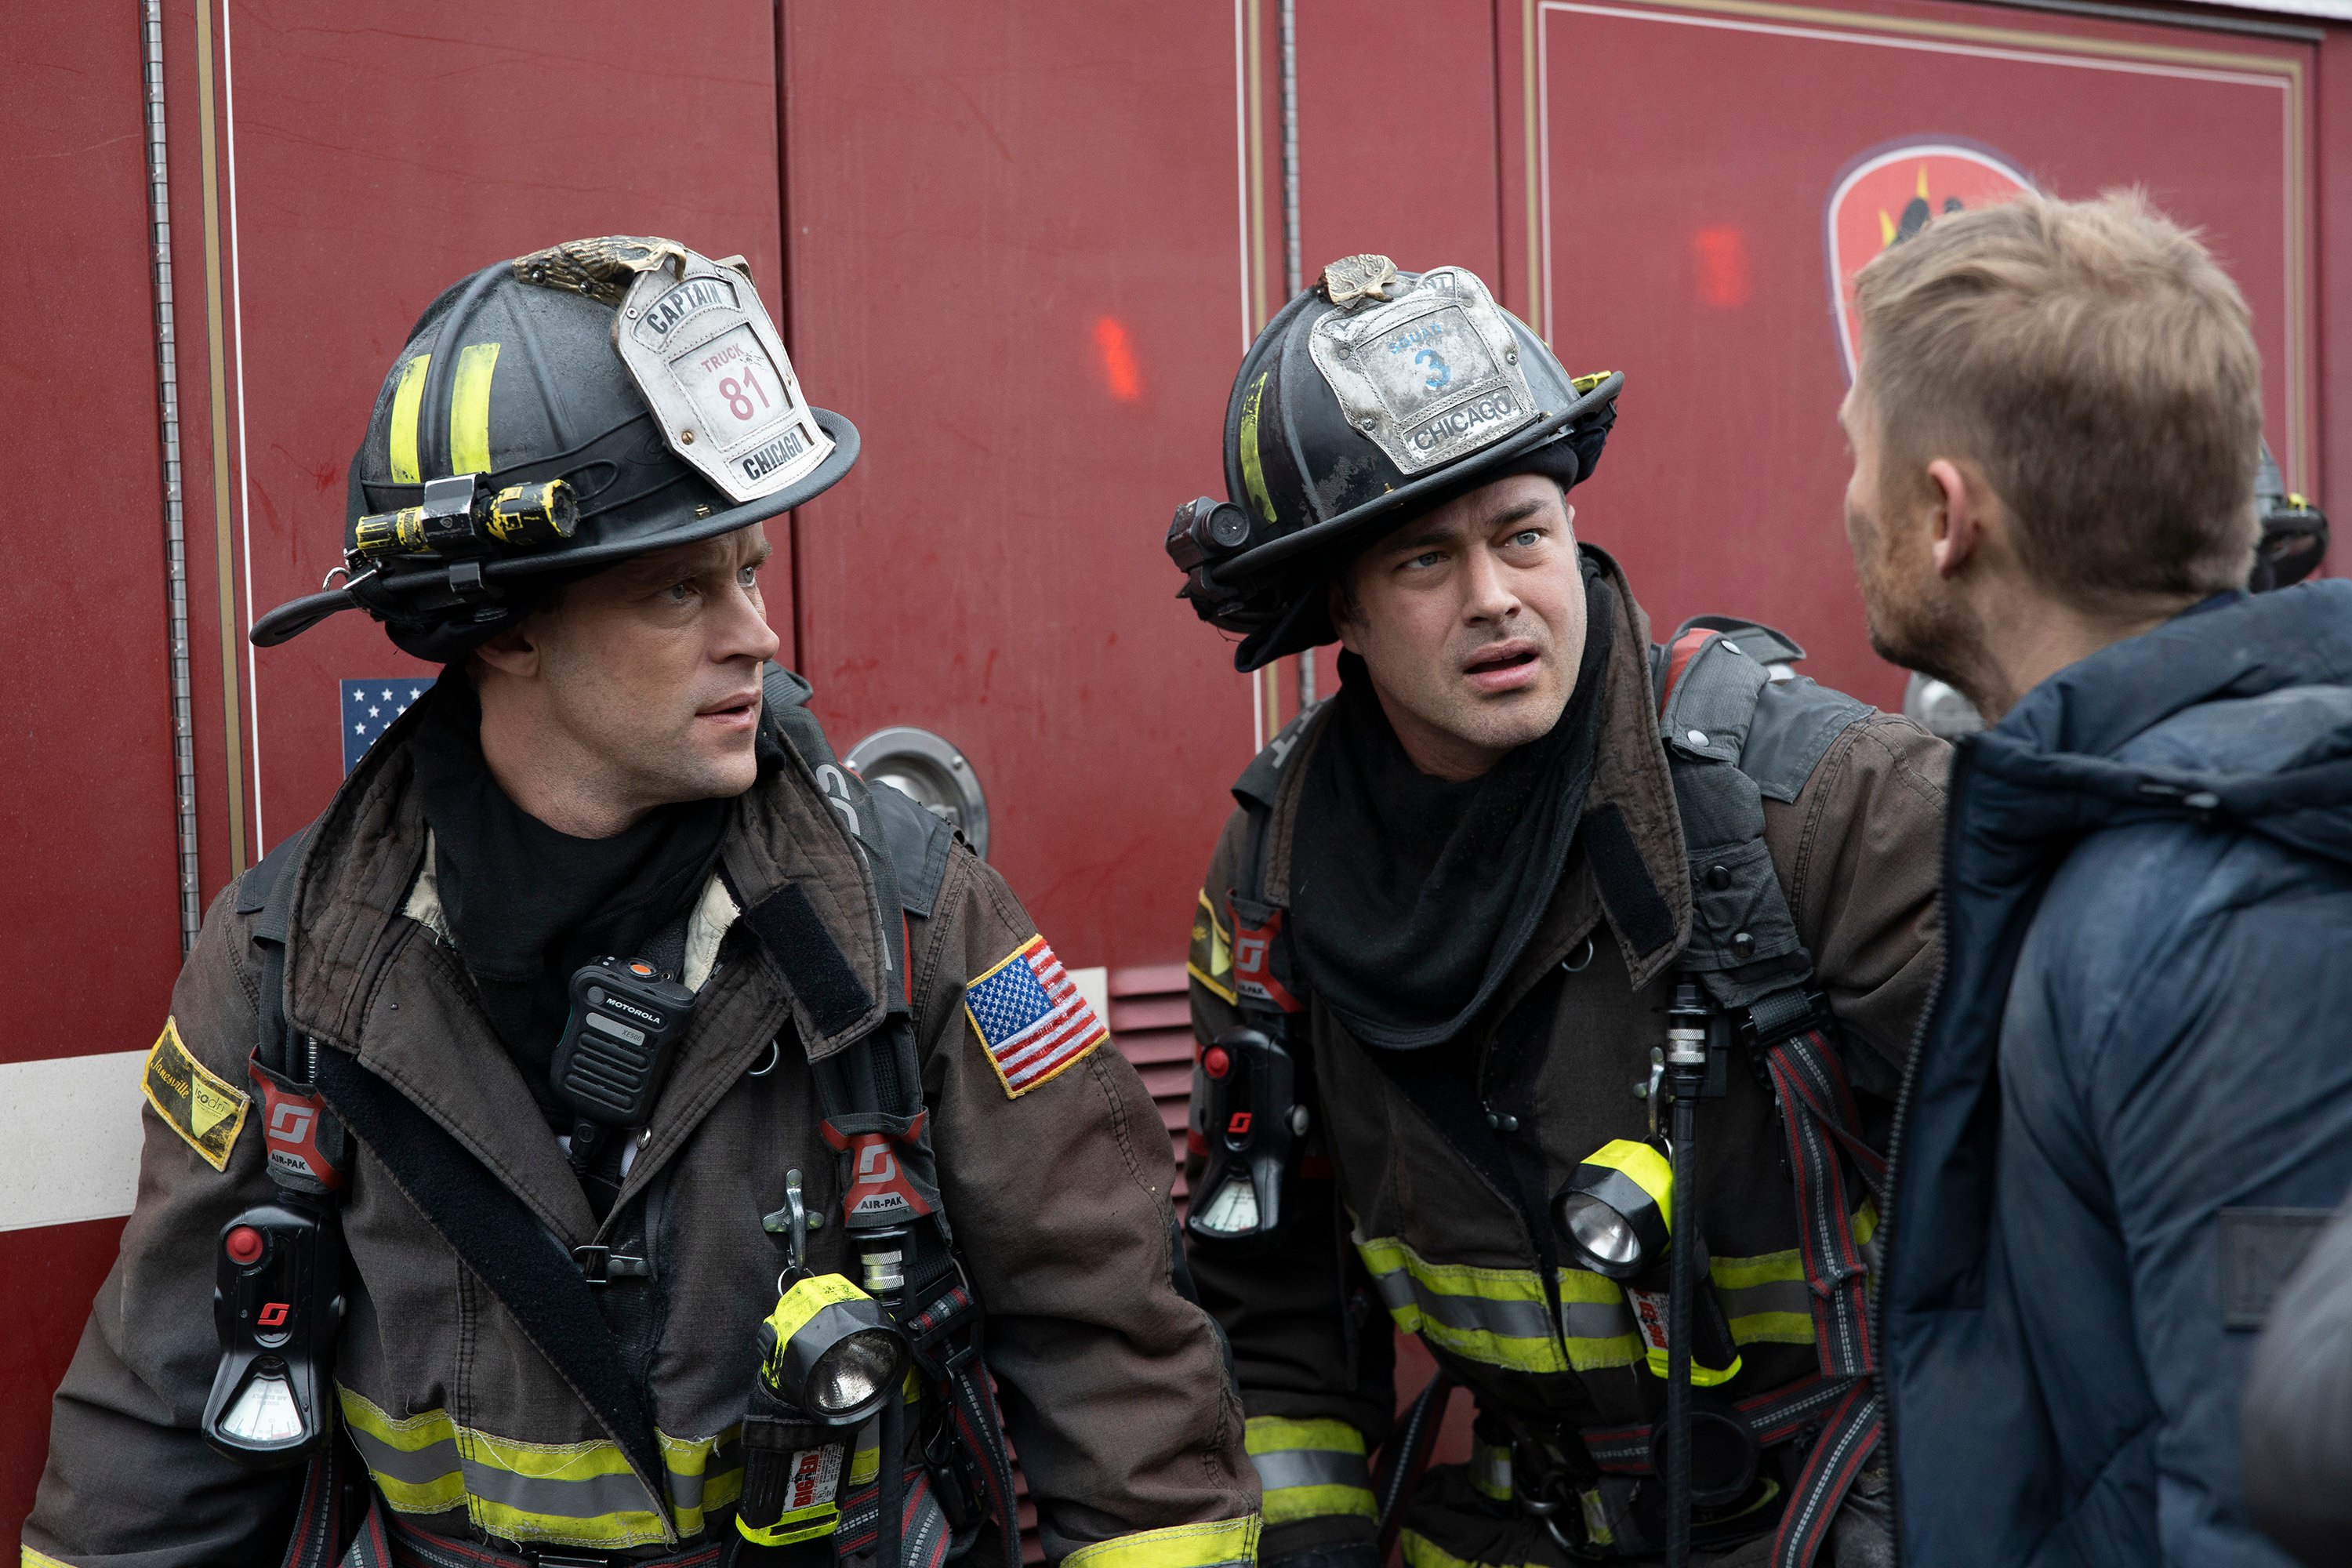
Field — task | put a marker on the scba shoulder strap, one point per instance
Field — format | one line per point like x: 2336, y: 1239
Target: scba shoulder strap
x: 1738, y: 727
x: 876, y: 1123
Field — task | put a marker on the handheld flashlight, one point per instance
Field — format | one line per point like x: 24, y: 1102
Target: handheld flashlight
x: 1616, y: 1216
x: 830, y: 1357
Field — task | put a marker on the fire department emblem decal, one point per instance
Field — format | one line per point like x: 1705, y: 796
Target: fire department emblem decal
x: 1890, y: 193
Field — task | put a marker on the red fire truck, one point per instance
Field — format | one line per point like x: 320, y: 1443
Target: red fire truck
x: 1022, y: 244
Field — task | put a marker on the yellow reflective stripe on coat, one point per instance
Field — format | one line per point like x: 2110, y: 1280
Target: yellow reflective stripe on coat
x: 1420, y: 1551
x: 1212, y: 1545
x: 32, y: 1559
x: 1499, y: 1316
x: 578, y: 1494
x: 1490, y: 1469
x: 1766, y: 1299
x: 1309, y: 1469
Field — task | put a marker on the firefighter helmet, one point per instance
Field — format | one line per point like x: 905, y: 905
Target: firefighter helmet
x: 2293, y: 537
x: 555, y: 414
x: 1371, y: 398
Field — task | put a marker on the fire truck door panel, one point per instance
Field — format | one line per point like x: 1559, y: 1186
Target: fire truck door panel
x: 375, y: 165
x: 1680, y: 162
x: 90, y: 898
x: 1018, y: 261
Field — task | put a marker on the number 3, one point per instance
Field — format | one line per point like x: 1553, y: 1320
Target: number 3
x: 1441, y: 374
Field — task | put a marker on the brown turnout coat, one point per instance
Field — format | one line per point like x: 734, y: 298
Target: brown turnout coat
x: 1403, y: 1226
x: 1112, y: 1383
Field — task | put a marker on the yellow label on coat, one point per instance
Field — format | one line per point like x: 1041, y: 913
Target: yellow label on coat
x: 1211, y: 960
x: 196, y: 1103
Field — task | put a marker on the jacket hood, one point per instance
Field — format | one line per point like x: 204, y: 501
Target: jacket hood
x: 2239, y: 709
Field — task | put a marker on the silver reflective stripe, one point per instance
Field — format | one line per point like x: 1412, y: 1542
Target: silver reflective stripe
x: 1285, y: 1468
x: 1792, y: 1296
x: 686, y: 1490
x: 1514, y: 1320
x: 582, y: 1497
x: 417, y: 1467
x: 1596, y: 1320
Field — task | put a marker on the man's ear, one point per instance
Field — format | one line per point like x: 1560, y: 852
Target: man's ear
x: 1342, y: 611
x: 1963, y: 507
x: 514, y: 651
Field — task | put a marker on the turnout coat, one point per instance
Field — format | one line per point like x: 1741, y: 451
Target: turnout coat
x: 1392, y: 1225
x: 1112, y: 1383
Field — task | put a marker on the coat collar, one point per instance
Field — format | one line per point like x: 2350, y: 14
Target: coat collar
x: 366, y: 975
x: 1630, y: 774
x: 2231, y: 646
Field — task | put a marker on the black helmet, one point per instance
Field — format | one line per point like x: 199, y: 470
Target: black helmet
x: 2294, y: 531
x: 555, y: 414
x: 1373, y: 396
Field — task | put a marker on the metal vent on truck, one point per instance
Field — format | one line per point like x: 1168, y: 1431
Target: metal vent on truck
x: 928, y: 770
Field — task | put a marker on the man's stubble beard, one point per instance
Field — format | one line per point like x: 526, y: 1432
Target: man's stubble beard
x: 1941, y: 636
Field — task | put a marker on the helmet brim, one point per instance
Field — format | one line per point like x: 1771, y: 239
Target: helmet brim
x: 422, y: 577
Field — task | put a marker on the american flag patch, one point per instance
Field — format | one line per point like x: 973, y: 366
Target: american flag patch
x: 1031, y: 1018
x: 369, y: 709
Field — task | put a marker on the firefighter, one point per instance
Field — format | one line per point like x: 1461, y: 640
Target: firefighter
x: 1484, y: 925
x: 556, y: 1152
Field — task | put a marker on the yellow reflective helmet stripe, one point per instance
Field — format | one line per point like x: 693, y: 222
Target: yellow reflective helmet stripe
x: 406, y: 395
x: 1499, y: 1316
x: 571, y: 1493
x: 1309, y: 1469
x: 1252, y: 468
x: 470, y: 409
x: 1212, y: 1545
x: 32, y: 1559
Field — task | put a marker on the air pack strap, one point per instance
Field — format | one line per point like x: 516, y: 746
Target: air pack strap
x: 505, y: 1244
x: 302, y: 1139
x: 875, y: 1121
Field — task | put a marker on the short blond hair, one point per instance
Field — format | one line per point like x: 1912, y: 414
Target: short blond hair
x: 2098, y: 365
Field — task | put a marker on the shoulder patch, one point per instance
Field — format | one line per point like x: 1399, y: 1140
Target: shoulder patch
x: 1031, y: 1018
x: 1211, y: 960
x: 197, y: 1103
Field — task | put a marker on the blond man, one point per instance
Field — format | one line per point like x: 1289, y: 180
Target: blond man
x: 2132, y: 1100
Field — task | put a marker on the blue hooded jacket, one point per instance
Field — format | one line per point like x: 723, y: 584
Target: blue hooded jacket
x: 2144, y: 1019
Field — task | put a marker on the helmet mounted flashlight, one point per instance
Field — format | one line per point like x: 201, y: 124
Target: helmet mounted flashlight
x: 1205, y: 532
x: 459, y: 516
